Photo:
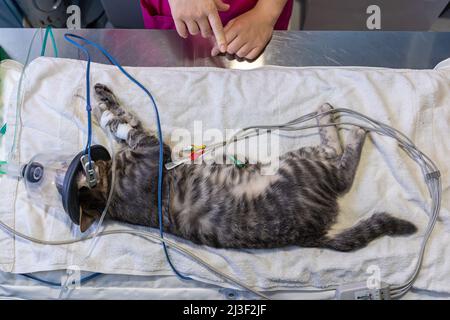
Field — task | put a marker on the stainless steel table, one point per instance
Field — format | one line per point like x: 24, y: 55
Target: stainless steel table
x: 417, y: 50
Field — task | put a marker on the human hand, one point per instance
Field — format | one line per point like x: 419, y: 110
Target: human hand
x: 194, y: 16
x: 248, y: 34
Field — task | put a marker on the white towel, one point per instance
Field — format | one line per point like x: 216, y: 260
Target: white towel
x: 417, y: 102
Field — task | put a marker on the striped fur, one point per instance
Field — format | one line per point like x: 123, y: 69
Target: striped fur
x: 228, y: 207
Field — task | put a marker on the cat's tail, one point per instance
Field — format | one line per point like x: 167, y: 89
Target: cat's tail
x: 365, y: 231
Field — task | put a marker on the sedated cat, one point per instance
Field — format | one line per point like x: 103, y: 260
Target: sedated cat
x: 225, y: 206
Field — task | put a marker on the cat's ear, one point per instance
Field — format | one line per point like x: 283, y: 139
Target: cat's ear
x: 81, y: 181
x: 86, y: 220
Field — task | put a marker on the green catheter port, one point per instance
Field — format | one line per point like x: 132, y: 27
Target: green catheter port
x: 237, y: 162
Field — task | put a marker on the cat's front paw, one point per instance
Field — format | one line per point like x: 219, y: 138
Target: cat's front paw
x: 105, y: 95
x: 102, y: 91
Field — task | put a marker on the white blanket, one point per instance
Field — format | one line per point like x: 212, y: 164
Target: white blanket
x: 417, y: 102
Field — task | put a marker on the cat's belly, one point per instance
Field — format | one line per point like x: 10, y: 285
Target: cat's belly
x: 272, y: 213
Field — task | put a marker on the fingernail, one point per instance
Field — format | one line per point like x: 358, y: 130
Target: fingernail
x: 223, y: 48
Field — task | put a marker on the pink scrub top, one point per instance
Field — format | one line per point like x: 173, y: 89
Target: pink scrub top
x: 157, y: 14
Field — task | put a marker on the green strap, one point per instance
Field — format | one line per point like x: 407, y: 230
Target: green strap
x: 48, y: 31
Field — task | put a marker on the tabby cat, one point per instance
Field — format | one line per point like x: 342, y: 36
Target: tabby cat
x: 224, y: 206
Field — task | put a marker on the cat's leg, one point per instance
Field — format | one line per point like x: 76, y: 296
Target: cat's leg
x: 329, y: 136
x: 123, y: 125
x: 349, y: 161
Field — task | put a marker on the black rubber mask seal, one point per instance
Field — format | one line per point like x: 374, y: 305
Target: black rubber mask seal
x: 70, y: 199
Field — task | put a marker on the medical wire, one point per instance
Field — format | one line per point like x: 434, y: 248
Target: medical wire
x: 88, y: 97
x: 19, y: 96
x: 68, y: 37
x: 94, y: 239
x: 111, y: 192
x: 397, y: 291
x: 144, y: 234
x: 49, y: 31
x: 429, y: 169
x: 56, y: 284
x: 19, y: 101
x: 88, y: 108
x: 18, y: 117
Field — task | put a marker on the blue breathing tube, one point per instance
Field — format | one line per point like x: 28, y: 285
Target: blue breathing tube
x: 56, y: 284
x: 70, y: 38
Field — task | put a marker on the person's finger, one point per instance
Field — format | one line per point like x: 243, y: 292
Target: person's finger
x: 252, y: 55
x: 215, y: 51
x: 221, y: 6
x: 205, y: 28
x: 217, y: 28
x: 244, y: 51
x: 230, y: 33
x: 229, y: 25
x: 235, y: 45
x: 181, y: 28
x: 192, y: 27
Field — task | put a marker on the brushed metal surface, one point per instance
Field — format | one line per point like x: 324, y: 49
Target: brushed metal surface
x: 397, y: 15
x: 417, y: 50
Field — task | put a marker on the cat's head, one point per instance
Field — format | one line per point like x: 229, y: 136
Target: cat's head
x: 92, y: 201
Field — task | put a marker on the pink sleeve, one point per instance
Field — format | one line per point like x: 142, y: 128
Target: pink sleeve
x: 156, y: 14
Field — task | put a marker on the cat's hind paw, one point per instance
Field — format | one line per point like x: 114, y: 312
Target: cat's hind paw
x: 325, y: 108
